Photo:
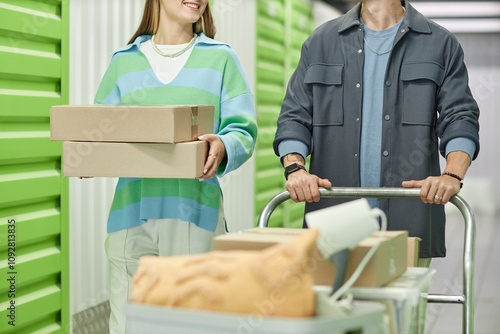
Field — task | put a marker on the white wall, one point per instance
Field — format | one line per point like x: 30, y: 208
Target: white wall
x: 482, y: 183
x: 91, y: 46
x: 323, y: 12
x: 463, y: 16
x: 235, y: 22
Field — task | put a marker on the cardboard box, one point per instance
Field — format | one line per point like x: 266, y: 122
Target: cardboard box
x: 182, y: 160
x: 388, y: 262
x: 413, y: 251
x: 137, y: 124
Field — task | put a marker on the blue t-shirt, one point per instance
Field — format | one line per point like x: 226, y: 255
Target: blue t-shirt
x: 377, y: 49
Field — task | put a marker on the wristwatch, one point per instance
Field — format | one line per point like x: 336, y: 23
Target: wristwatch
x: 292, y: 169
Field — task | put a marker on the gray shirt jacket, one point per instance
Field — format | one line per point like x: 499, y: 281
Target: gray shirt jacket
x: 426, y: 98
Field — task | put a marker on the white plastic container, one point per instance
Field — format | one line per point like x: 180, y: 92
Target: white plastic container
x: 404, y: 298
x: 366, y: 316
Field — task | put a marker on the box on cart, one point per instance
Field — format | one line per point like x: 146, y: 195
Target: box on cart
x: 146, y: 160
x: 413, y: 251
x: 121, y: 123
x: 388, y: 262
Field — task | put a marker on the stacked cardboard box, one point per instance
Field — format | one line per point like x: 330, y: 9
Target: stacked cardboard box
x: 413, y: 251
x: 132, y: 141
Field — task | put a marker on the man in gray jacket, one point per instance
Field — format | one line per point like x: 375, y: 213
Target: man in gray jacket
x: 378, y: 94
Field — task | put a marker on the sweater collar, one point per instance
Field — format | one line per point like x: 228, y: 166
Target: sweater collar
x: 134, y: 46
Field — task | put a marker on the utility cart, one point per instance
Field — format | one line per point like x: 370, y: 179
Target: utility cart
x: 467, y: 298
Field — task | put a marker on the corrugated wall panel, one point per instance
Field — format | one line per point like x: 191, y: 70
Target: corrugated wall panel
x: 282, y: 28
x: 269, y: 91
x: 235, y: 22
x: 114, y: 22
x: 23, y: 107
x: 34, y: 64
x: 33, y: 216
x: 299, y: 27
x: 31, y: 18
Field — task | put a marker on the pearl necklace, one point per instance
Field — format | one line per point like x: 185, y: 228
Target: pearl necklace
x: 172, y: 55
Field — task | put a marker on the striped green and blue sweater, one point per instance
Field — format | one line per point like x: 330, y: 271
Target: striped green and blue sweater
x: 212, y: 75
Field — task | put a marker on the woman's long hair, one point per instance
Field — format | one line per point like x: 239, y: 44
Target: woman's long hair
x: 151, y: 20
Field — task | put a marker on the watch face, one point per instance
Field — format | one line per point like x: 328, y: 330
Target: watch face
x: 292, y: 168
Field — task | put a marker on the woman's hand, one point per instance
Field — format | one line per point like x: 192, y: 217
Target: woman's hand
x: 216, y: 153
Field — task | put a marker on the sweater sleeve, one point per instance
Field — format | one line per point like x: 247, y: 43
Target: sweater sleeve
x: 238, y: 125
x: 108, y: 92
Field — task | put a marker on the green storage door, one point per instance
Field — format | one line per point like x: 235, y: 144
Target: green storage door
x: 282, y: 26
x: 269, y: 92
x: 34, y: 292
x: 299, y: 27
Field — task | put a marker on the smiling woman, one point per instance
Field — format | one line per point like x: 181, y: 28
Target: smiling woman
x: 153, y: 9
x: 172, y: 59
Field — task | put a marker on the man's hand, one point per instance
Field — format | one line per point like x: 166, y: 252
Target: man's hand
x: 439, y: 189
x: 435, y: 189
x: 304, y: 187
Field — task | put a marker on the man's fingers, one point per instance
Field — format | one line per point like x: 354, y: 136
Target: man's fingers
x: 412, y: 184
x: 325, y: 183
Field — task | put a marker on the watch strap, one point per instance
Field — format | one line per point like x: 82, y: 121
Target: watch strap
x: 292, y: 169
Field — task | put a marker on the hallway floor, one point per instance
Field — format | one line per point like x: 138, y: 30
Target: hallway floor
x: 447, y: 318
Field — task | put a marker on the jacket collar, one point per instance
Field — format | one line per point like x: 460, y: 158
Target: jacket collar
x: 134, y: 47
x: 413, y: 19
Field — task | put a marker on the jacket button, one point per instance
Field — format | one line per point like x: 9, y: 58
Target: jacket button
x: 385, y: 153
x: 387, y: 117
x: 358, y: 85
x: 387, y: 83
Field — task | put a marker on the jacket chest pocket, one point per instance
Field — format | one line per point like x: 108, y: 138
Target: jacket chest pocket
x: 327, y: 90
x: 420, y: 85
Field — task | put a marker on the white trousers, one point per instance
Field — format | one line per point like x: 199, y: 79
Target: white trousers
x: 160, y: 237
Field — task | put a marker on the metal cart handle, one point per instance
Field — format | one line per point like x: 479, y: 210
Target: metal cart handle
x: 467, y: 299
